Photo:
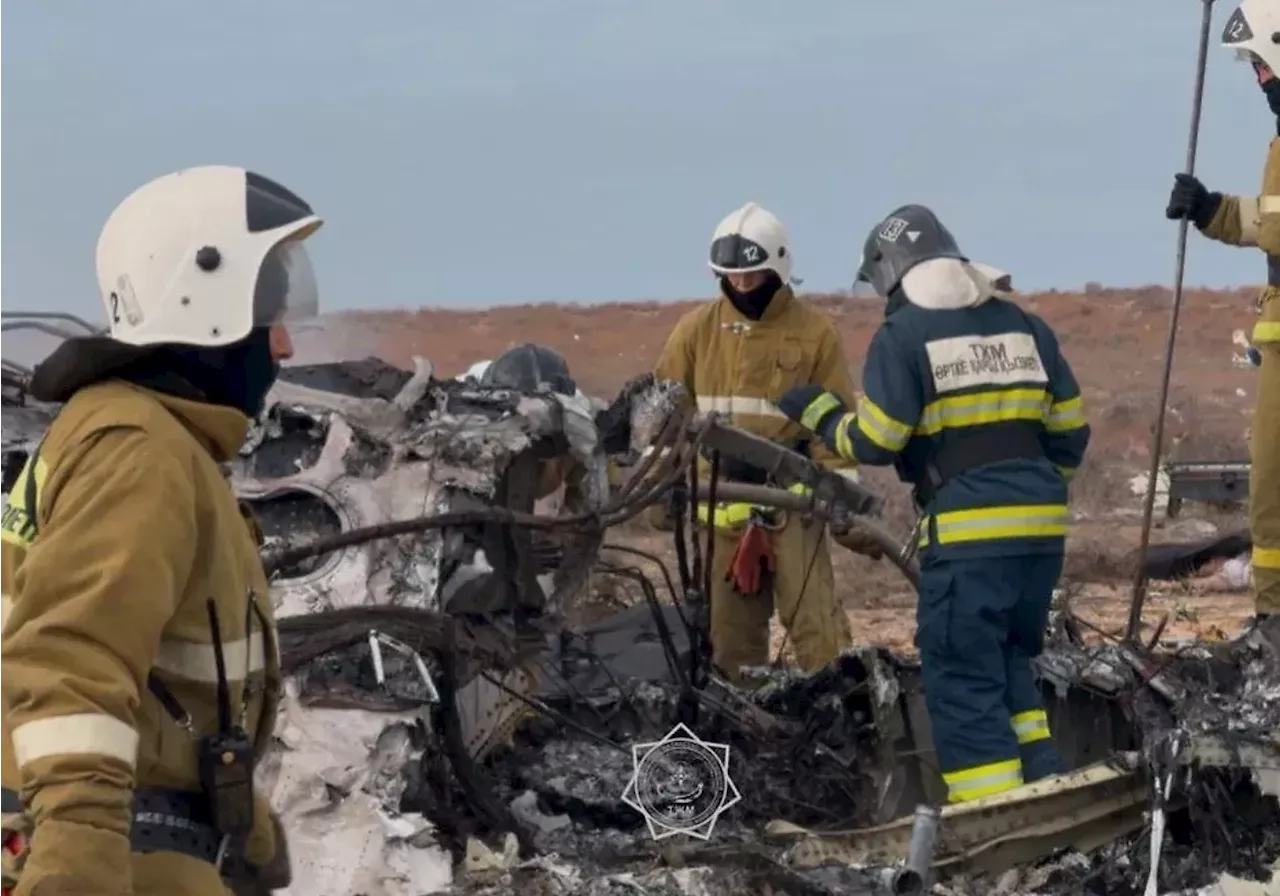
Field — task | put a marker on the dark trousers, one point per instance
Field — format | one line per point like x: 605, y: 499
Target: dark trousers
x: 980, y: 622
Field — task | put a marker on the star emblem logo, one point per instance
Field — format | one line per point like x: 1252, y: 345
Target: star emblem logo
x: 680, y: 784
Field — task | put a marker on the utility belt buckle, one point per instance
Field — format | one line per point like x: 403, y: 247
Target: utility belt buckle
x: 768, y: 518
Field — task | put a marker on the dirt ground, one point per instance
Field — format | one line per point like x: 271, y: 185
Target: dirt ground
x: 1114, y: 340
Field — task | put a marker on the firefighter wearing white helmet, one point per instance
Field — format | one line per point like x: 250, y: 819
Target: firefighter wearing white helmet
x: 1253, y: 32
x: 134, y: 593
x: 737, y: 355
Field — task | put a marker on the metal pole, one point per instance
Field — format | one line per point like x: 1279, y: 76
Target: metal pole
x: 1157, y: 440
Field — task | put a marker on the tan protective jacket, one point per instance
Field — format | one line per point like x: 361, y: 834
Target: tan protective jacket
x: 737, y: 366
x: 137, y: 527
x: 1255, y: 221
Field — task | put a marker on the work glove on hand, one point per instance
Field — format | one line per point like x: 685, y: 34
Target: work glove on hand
x: 1190, y: 199
x: 816, y: 409
x: 859, y: 540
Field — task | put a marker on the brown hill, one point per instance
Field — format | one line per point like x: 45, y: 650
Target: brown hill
x: 1114, y: 339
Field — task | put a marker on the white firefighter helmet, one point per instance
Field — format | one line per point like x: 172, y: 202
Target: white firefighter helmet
x: 751, y: 239
x: 204, y: 255
x: 1253, y: 31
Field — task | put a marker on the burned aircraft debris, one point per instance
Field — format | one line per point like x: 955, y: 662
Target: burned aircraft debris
x: 448, y: 727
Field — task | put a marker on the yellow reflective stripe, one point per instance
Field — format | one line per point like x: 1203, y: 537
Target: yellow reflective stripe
x: 977, y: 408
x: 18, y: 521
x: 879, y: 427
x: 844, y: 441
x: 197, y: 662
x: 800, y: 488
x: 735, y: 405
x: 983, y: 780
x: 80, y: 734
x: 1268, y: 558
x: 1068, y: 473
x: 1266, y: 331
x: 1031, y: 726
x: 818, y: 408
x: 726, y: 515
x: 1065, y: 415
x: 1017, y: 521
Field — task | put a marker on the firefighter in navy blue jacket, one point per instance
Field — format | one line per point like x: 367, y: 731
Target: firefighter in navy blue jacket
x: 969, y: 397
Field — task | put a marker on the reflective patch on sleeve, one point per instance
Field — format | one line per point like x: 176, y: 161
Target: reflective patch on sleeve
x: 880, y: 428
x: 818, y: 409
x: 1065, y: 416
x: 18, y: 522
x: 1251, y: 210
x: 963, y: 362
x: 80, y: 734
x: 197, y: 662
x: 844, y: 437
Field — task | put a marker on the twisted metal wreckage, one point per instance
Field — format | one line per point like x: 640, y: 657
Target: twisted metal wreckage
x: 447, y: 726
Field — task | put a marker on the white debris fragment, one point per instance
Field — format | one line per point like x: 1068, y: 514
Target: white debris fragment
x: 1228, y: 885
x: 1138, y: 486
x: 476, y: 370
x: 1237, y: 572
x: 326, y: 784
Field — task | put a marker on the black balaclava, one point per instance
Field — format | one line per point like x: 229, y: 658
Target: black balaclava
x: 753, y: 303
x: 237, y: 376
x: 1271, y: 90
x: 897, y: 299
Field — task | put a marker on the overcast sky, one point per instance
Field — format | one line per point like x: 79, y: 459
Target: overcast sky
x: 501, y: 151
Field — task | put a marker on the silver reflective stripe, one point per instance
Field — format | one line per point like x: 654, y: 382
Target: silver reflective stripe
x: 1264, y: 205
x: 6, y: 604
x: 195, y: 661
x: 1020, y: 405
x: 1035, y: 727
x: 1065, y: 415
x: 738, y: 404
x: 985, y: 784
x: 81, y: 734
x: 1007, y: 524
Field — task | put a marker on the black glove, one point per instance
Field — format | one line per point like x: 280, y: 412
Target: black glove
x: 1190, y: 199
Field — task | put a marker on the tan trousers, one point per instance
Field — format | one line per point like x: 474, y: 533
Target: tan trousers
x: 740, y: 624
x: 1264, y: 482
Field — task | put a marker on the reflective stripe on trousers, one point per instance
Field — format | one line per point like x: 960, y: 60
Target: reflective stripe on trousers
x: 983, y: 780
x: 988, y: 523
x: 1030, y: 726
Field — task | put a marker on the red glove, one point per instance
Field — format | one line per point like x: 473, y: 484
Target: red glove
x: 753, y: 554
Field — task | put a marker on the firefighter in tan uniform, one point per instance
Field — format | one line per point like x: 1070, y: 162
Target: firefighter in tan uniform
x: 133, y: 589
x: 1254, y: 220
x: 737, y: 355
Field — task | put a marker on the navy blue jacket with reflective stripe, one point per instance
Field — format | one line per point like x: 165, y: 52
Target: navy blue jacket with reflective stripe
x: 929, y: 376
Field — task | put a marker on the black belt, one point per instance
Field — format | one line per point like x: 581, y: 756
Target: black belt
x: 1273, y: 270
x: 967, y: 450
x: 166, y: 821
